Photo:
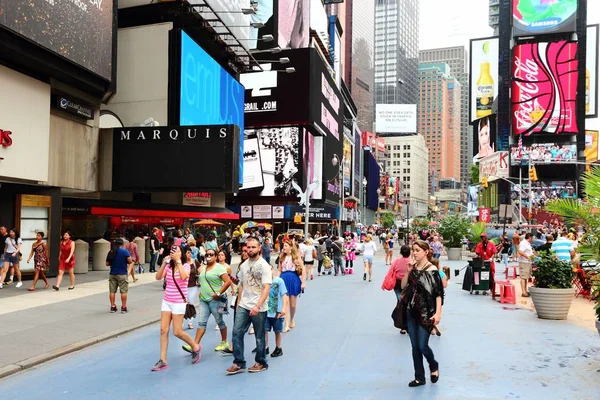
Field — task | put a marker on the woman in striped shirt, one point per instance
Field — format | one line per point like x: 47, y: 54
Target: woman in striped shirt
x: 176, y: 270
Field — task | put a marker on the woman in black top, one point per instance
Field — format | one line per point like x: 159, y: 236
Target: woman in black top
x: 505, y: 248
x: 423, y: 293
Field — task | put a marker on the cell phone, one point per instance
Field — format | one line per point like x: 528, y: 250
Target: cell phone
x: 173, y: 248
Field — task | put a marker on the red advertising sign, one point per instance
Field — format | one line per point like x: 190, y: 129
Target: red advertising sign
x: 544, y: 88
x: 5, y: 139
x: 485, y: 215
x: 350, y: 204
x: 375, y: 143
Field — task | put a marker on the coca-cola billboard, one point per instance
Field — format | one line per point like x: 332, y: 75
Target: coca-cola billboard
x: 544, y: 88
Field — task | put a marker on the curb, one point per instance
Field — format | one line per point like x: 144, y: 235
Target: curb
x: 62, y: 351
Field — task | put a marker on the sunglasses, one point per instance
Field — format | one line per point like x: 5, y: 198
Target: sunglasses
x: 210, y: 254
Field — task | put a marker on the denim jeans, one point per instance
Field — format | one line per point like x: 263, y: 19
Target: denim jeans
x: 398, y: 293
x: 419, y: 339
x: 338, y: 265
x: 320, y: 266
x: 153, y: 259
x: 505, y: 259
x: 240, y: 327
x: 204, y: 311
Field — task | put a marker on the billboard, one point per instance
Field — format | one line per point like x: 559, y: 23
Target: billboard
x: 544, y: 88
x: 494, y: 167
x: 293, y: 23
x: 396, y: 118
x: 483, y: 87
x: 543, y: 192
x: 278, y: 152
x: 265, y: 14
x: 542, y: 17
x: 80, y: 31
x: 312, y: 163
x: 543, y: 153
x: 484, y: 137
x: 473, y: 201
x: 208, y: 94
x: 347, y: 165
x: 591, y: 72
x: 591, y: 146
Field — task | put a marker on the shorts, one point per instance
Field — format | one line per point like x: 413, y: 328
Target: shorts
x: 119, y: 281
x: 11, y: 259
x: 309, y: 262
x: 275, y: 323
x: 524, y: 270
x: 173, y: 308
x: 368, y: 259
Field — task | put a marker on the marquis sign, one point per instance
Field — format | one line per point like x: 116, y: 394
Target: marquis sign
x: 174, y: 146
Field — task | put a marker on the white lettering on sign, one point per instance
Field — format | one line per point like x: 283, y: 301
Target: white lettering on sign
x: 494, y: 167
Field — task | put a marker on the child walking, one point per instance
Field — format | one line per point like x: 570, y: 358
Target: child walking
x: 278, y: 302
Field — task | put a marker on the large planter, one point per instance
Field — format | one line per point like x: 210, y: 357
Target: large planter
x: 551, y: 303
x: 454, y: 254
x: 598, y: 326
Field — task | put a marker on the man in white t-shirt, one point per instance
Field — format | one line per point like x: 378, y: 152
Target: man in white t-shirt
x: 525, y: 257
x: 255, y: 283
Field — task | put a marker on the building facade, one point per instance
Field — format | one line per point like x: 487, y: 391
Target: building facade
x: 408, y: 162
x: 396, y: 51
x: 457, y: 58
x: 439, y: 121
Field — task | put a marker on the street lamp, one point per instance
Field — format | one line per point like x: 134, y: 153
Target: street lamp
x: 364, y: 182
x: 378, y: 214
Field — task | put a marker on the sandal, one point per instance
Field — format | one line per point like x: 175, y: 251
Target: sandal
x: 72, y: 287
x: 31, y: 289
x: 47, y: 286
x: 286, y: 329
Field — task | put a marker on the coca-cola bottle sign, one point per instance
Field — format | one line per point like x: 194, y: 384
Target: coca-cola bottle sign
x: 544, y: 88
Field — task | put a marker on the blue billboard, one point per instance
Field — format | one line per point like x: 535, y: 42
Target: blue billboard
x: 209, y: 95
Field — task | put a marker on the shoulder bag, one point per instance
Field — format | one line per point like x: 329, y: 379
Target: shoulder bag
x: 19, y: 254
x: 223, y: 300
x: 190, y: 310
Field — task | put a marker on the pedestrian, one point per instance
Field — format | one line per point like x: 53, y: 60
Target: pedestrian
x: 132, y: 248
x: 337, y: 251
x: 389, y: 249
x: 437, y: 247
x: 39, y: 252
x: 211, y: 243
x: 350, y: 256
x: 187, y: 235
x: 66, y: 261
x: 193, y: 293
x: 227, y: 248
x: 516, y: 240
x: 119, y: 260
x: 563, y: 248
x: 292, y: 271
x: 526, y: 254
x: 321, y: 251
x: 423, y: 292
x: 254, y: 288
x: 154, y: 247
x: 235, y: 281
x: 4, y: 267
x: 369, y: 249
x: 176, y: 269
x: 266, y: 250
x: 486, y: 250
x: 310, y: 253
x: 214, y: 282
x: 277, y: 304
x: 12, y: 255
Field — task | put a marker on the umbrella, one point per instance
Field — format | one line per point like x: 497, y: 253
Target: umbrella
x: 249, y: 224
x: 207, y: 222
x: 264, y: 225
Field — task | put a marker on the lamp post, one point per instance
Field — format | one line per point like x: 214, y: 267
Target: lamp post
x: 378, y: 214
x: 364, y: 182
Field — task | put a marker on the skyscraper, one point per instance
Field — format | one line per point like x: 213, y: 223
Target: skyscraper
x: 457, y: 58
x: 396, y: 52
x: 439, y: 120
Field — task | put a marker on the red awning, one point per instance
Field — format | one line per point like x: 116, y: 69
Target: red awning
x: 132, y: 212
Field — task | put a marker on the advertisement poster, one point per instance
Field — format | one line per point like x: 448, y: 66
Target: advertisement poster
x: 591, y: 72
x: 293, y: 23
x: 253, y: 177
x: 544, y: 153
x: 197, y: 199
x: 312, y: 163
x: 485, y: 215
x: 246, y: 212
x: 278, y: 148
x: 483, y: 87
x: 261, y: 212
x: 473, y: 201
x: 542, y: 17
x: 591, y: 146
x: 278, y: 212
x: 545, y: 191
x: 80, y: 31
x: 494, y: 167
x: 347, y: 165
x: 396, y: 118
x: 265, y: 14
x: 544, y: 88
x: 484, y: 137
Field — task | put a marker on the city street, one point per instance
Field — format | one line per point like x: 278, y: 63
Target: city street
x: 344, y: 346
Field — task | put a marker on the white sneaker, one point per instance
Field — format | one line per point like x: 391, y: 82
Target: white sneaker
x: 19, y: 284
x: 217, y: 328
x: 1, y: 285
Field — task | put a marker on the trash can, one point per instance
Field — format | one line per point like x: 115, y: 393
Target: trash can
x: 481, y: 275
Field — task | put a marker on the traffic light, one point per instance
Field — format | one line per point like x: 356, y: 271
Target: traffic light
x: 532, y: 174
x: 484, y: 182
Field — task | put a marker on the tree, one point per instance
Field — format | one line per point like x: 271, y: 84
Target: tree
x: 387, y: 220
x: 474, y: 174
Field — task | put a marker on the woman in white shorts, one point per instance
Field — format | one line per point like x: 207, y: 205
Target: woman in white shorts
x: 369, y: 249
x: 175, y: 269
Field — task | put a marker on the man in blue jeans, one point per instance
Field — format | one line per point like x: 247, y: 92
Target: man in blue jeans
x: 253, y: 292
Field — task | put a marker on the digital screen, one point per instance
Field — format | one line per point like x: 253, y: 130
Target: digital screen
x: 484, y: 76
x: 484, y: 137
x: 591, y: 146
x: 543, y: 192
x: 543, y: 153
x: 209, y: 95
x: 80, y: 31
x: 541, y: 17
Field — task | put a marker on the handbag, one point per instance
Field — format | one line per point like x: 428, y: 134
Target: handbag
x: 223, y: 300
x: 190, y: 310
x: 399, y: 315
x: 389, y: 282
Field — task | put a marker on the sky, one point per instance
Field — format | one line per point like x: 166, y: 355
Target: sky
x: 454, y: 22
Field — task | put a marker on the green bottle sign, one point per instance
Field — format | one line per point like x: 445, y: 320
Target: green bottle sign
x: 539, y: 17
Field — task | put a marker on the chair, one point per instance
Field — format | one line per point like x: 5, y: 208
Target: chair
x: 510, y: 272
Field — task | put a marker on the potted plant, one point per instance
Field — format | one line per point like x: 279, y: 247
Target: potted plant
x: 552, y: 292
x: 596, y: 299
x: 474, y: 235
x: 453, y: 229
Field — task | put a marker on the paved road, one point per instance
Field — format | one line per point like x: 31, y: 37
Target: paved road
x: 344, y: 347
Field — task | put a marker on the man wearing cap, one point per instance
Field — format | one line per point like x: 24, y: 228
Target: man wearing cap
x: 486, y: 251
